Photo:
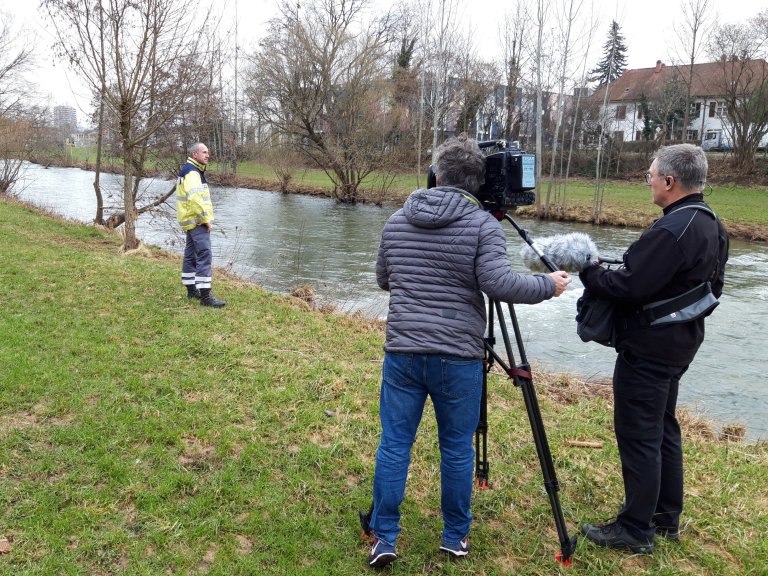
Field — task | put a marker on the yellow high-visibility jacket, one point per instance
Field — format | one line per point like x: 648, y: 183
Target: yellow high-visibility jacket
x: 193, y: 199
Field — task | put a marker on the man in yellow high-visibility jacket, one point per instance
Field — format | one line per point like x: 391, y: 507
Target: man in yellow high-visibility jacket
x: 194, y: 212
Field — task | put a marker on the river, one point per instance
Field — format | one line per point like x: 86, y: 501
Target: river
x: 279, y: 241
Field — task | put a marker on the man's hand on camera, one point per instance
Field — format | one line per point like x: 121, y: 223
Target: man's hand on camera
x: 561, y: 280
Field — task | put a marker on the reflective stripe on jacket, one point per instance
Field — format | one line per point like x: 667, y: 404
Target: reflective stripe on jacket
x: 193, y: 199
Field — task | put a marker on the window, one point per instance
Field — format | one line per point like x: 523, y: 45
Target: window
x: 618, y: 135
x: 621, y: 112
x: 639, y: 112
x: 638, y: 135
x: 695, y: 110
x: 721, y: 110
x: 718, y: 109
x: 693, y: 135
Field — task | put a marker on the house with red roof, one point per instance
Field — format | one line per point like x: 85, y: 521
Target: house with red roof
x: 661, y: 92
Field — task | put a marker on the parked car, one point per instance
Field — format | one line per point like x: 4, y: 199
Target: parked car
x: 716, y: 141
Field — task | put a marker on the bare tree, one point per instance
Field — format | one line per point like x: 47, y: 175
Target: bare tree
x: 568, y: 17
x: 475, y: 87
x: 404, y: 112
x: 743, y: 83
x: 406, y: 107
x: 318, y: 81
x: 14, y: 133
x: 513, y: 40
x: 442, y: 48
x: 667, y: 107
x: 82, y: 41
x: 614, y: 46
x: 688, y: 45
x: 143, y: 58
x: 580, y: 88
x: 539, y: 64
x: 15, y: 123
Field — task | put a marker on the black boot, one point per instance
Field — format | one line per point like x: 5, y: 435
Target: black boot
x: 192, y: 292
x: 208, y: 299
x: 614, y: 535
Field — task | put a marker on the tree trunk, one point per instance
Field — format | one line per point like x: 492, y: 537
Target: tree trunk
x: 99, y: 218
x: 744, y: 158
x: 130, y: 242
x: 539, y: 99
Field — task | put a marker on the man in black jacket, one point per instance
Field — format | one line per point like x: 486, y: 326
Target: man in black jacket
x: 678, y: 263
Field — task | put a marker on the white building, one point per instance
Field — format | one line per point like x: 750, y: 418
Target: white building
x: 708, y: 117
x: 65, y: 117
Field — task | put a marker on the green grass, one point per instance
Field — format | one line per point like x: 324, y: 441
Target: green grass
x: 142, y: 434
x: 731, y: 202
x: 307, y: 177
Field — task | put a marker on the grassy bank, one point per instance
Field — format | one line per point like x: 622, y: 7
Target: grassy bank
x: 142, y: 434
x: 742, y: 208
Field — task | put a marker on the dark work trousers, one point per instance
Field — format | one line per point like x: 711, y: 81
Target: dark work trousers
x: 196, y: 266
x: 650, y: 446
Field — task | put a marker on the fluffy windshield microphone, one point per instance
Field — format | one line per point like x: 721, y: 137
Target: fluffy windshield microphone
x: 569, y: 252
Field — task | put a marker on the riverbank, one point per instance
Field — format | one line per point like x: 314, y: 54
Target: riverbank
x: 621, y: 208
x: 143, y: 434
x: 742, y: 209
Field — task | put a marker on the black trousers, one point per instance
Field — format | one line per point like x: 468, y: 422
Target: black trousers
x: 649, y: 442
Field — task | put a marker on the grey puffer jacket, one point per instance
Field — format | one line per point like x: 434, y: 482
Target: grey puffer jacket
x: 438, y: 254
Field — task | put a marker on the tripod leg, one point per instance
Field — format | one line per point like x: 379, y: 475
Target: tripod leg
x: 567, y: 545
x: 365, y: 524
x: 482, y: 468
x: 522, y: 378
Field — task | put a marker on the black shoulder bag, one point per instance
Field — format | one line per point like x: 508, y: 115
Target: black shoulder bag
x: 595, y: 320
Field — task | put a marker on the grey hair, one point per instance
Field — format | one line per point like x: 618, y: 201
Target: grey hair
x: 459, y: 162
x: 686, y: 162
x: 195, y: 147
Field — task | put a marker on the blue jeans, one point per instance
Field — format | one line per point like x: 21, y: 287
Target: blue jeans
x: 455, y: 385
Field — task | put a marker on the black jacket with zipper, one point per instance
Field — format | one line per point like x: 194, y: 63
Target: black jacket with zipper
x: 678, y: 252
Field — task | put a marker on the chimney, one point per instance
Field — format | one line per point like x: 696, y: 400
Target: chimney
x: 659, y: 65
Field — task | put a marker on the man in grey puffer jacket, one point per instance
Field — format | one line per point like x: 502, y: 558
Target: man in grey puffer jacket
x: 437, y: 257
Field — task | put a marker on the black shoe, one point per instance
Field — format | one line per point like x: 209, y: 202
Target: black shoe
x: 212, y: 301
x: 669, y: 532
x: 614, y: 535
x: 193, y: 294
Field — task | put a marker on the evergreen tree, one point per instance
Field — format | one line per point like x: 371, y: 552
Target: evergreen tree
x: 614, y: 58
x: 405, y: 55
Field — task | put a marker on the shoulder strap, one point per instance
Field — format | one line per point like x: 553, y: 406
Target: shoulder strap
x: 702, y: 207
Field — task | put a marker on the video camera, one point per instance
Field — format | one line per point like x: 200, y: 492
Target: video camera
x: 510, y: 176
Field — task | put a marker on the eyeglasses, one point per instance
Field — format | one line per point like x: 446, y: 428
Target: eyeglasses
x: 648, y: 175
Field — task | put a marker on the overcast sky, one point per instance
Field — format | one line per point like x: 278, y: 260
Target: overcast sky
x: 647, y: 25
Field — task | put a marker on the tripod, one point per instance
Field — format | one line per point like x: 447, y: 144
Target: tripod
x: 521, y: 376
